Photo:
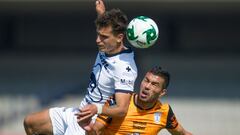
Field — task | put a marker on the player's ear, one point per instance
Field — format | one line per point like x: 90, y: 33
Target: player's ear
x: 163, y: 92
x: 120, y: 37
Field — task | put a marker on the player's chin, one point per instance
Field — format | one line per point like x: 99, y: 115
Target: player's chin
x: 144, y: 99
x: 101, y: 49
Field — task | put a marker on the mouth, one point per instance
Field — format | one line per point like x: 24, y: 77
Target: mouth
x: 144, y: 94
x: 100, y: 47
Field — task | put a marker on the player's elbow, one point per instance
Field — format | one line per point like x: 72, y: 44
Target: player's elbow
x: 28, y: 126
x: 123, y: 112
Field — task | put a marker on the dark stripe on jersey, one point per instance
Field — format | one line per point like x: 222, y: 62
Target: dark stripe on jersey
x: 89, y: 101
x: 171, y: 119
x: 124, y: 91
x: 106, y: 119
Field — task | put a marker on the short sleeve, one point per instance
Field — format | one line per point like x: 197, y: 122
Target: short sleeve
x: 125, y: 78
x: 171, y: 119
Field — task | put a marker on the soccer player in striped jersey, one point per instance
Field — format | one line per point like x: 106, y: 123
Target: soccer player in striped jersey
x: 114, y: 72
x: 147, y: 115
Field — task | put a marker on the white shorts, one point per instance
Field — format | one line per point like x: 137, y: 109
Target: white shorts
x: 64, y: 121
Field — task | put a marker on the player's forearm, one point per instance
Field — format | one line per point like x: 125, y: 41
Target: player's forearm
x: 186, y: 132
x: 179, y: 131
x: 115, y: 111
x: 120, y: 106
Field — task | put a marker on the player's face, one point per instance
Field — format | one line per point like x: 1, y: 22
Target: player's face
x: 151, y: 88
x: 107, y: 42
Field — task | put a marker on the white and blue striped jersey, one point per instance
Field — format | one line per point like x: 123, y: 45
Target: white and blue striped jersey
x: 111, y: 74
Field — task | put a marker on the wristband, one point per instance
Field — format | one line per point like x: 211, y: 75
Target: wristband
x: 99, y: 108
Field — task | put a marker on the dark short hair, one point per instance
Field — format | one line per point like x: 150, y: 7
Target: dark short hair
x: 115, y: 18
x: 157, y: 70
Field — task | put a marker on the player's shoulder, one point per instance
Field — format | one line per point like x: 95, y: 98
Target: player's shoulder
x: 127, y: 55
x: 163, y: 106
x: 124, y: 64
x: 125, y: 69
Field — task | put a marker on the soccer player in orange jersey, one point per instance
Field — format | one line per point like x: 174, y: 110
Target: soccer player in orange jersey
x: 146, y: 114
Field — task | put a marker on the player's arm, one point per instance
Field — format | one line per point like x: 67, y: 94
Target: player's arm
x: 173, y: 126
x: 120, y: 109
x: 100, y: 7
x: 102, y: 121
x: 179, y: 130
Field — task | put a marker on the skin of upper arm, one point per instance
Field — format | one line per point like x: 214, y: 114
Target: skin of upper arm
x: 121, y: 107
x: 179, y: 130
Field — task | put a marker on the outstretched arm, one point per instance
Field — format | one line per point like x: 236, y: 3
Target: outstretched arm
x: 119, y: 110
x: 100, y: 7
x: 179, y: 130
x: 121, y: 107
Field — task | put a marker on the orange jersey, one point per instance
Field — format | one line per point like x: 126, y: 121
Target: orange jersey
x: 139, y: 121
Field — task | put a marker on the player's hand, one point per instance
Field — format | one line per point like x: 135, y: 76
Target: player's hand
x: 87, y: 111
x: 83, y: 120
x: 100, y: 7
x: 83, y: 117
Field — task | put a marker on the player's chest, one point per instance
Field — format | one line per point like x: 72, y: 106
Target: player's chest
x: 146, y: 120
x: 148, y: 123
x: 102, y: 71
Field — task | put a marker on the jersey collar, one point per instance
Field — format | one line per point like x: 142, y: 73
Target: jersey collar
x: 128, y: 50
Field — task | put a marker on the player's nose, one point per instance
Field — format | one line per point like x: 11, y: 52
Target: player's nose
x: 147, y: 86
x: 98, y: 39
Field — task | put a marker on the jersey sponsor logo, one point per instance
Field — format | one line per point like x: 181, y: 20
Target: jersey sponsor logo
x: 139, y: 125
x: 126, y: 82
x: 133, y: 134
x: 123, y: 81
x: 157, y: 117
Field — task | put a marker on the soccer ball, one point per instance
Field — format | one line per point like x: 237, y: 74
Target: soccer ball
x: 142, y: 32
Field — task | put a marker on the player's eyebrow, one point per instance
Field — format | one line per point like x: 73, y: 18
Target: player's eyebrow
x: 102, y: 34
x: 152, y: 82
x: 156, y: 83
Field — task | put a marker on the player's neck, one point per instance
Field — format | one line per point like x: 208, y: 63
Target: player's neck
x: 142, y: 104
x: 117, y: 50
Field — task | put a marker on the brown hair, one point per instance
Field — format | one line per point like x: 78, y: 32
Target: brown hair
x: 157, y: 70
x: 115, y: 18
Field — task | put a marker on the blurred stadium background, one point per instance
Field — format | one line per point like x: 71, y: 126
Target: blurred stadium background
x: 47, y: 49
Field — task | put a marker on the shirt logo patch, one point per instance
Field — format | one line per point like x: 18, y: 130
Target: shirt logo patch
x: 128, y: 69
x: 126, y: 82
x: 139, y: 125
x: 157, y: 117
